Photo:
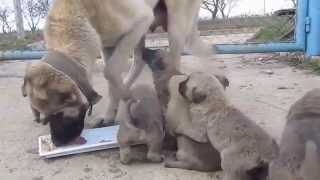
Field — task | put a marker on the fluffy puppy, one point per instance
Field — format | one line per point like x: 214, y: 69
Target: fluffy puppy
x: 190, y: 154
x: 141, y: 122
x: 299, y: 157
x: 245, y: 148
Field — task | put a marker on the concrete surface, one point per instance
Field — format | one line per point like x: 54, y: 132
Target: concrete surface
x: 263, y: 90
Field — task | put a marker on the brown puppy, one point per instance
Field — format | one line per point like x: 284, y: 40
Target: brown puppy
x: 245, y: 148
x: 299, y: 157
x: 141, y: 122
x: 190, y: 154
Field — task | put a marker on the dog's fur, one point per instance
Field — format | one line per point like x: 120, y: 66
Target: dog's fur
x: 191, y: 154
x: 299, y: 157
x: 141, y: 122
x: 78, y: 28
x: 245, y: 148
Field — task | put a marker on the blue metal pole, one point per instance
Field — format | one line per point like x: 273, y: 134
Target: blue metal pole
x: 21, y: 55
x: 298, y: 45
x: 313, y: 36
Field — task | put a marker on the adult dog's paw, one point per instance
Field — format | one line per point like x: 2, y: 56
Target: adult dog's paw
x: 154, y: 157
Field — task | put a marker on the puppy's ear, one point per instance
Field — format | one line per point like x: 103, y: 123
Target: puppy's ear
x: 183, y: 88
x: 223, y: 80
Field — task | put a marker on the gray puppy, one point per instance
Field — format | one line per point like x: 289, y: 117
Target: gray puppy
x: 299, y: 148
x: 141, y: 122
x: 245, y: 148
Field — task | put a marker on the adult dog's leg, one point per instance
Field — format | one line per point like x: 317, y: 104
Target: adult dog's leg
x: 114, y: 97
x: 36, y: 114
x: 181, y: 16
x: 137, y: 64
x: 122, y: 51
x: 112, y: 107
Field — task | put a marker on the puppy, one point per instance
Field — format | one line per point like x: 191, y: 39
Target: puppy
x: 76, y: 30
x: 141, y: 122
x: 299, y: 148
x: 191, y: 154
x: 245, y: 148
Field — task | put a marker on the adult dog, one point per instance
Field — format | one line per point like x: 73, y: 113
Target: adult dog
x: 299, y: 148
x: 60, y: 87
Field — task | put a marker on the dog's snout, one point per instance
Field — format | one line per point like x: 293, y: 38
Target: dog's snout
x: 198, y: 96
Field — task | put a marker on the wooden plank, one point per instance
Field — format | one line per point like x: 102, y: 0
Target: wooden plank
x: 96, y: 139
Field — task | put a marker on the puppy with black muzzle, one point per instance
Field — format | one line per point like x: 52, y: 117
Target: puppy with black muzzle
x: 299, y: 157
x: 141, y: 122
x: 245, y: 148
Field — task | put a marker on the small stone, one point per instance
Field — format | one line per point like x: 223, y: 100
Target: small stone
x: 222, y: 67
x: 269, y: 72
x: 87, y: 170
x: 283, y: 87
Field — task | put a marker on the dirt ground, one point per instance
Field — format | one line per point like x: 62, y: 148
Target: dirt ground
x: 262, y: 89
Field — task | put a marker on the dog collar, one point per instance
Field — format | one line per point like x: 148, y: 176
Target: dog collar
x: 76, y: 73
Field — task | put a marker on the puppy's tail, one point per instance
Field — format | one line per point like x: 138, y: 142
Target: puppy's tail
x: 311, y: 166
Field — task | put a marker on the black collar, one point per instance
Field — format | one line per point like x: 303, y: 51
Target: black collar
x: 75, y: 72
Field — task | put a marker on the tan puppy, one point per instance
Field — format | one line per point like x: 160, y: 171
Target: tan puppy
x: 59, y: 86
x: 190, y: 154
x: 141, y: 123
x: 245, y: 148
x: 299, y: 157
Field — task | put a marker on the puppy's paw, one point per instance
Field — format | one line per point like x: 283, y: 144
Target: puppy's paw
x: 125, y: 155
x: 154, y: 157
x: 172, y: 163
x: 169, y: 162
